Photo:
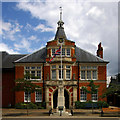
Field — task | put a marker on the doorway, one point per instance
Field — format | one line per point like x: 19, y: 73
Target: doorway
x: 66, y: 95
x: 55, y: 96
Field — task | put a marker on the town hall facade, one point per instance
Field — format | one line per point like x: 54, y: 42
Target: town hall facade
x: 78, y: 67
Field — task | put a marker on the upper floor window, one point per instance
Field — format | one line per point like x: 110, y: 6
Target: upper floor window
x: 88, y: 75
x: 94, y: 74
x: 60, y: 72
x: 27, y: 67
x: 68, y: 75
x: 88, y: 72
x: 39, y: 74
x: 32, y: 67
x: 83, y: 74
x: 65, y: 52
x: 33, y: 73
x: 68, y: 51
x: 54, y: 72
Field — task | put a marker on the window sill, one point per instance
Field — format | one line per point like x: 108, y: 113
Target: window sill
x: 27, y: 101
x: 83, y: 100
x: 94, y: 100
x: 38, y: 101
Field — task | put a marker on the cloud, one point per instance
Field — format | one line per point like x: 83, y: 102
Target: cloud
x: 9, y: 30
x: 23, y: 44
x: 86, y: 23
x: 5, y: 47
x: 43, y: 28
x: 32, y: 37
x: 94, y: 11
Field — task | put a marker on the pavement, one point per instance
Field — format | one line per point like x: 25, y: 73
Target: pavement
x: 111, y: 113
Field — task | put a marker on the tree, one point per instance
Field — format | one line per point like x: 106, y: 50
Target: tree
x: 26, y: 85
x: 93, y: 89
x: 112, y: 89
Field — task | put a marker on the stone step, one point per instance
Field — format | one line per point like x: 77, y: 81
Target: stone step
x: 63, y: 114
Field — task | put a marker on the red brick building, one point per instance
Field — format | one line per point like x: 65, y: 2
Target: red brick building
x: 78, y: 67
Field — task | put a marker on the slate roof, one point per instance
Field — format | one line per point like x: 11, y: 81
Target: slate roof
x: 36, y: 57
x: 40, y: 56
x: 86, y: 57
x: 60, y: 33
x: 8, y: 59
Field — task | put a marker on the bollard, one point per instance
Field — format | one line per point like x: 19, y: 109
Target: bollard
x: 72, y: 112
x: 102, y: 113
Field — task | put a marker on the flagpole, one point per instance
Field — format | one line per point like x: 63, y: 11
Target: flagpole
x: 61, y: 61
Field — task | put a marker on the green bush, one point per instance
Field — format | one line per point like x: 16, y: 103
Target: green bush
x: 102, y: 104
x: 21, y: 106
x: 89, y: 104
x: 79, y: 105
x: 39, y: 105
x: 44, y: 105
x: 32, y: 106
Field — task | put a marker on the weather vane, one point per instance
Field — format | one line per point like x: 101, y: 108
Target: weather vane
x: 60, y: 13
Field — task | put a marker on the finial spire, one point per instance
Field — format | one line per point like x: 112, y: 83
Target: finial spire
x: 60, y: 13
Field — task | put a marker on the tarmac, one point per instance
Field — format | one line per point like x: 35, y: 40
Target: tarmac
x: 87, y: 114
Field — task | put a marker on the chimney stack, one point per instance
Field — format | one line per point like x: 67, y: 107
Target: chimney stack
x: 100, y: 51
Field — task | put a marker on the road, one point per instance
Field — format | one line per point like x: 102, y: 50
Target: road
x: 72, y: 118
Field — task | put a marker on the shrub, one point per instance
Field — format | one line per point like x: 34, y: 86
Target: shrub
x: 32, y: 106
x: 79, y: 105
x: 39, y: 105
x: 89, y: 104
x: 21, y: 106
x: 44, y: 105
x: 102, y: 104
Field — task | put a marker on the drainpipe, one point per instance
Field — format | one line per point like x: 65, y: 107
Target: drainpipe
x: 78, y: 83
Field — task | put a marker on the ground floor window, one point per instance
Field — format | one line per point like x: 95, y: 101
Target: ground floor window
x: 27, y: 96
x: 83, y: 95
x: 95, y: 97
x: 38, y: 96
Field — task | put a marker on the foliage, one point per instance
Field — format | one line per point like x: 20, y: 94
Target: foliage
x: 25, y: 85
x: 93, y: 87
x: 112, y: 89
x: 79, y: 105
x: 88, y: 104
x: 30, y: 105
x: 21, y: 106
x: 102, y: 104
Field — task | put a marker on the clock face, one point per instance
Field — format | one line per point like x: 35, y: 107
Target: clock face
x: 60, y: 40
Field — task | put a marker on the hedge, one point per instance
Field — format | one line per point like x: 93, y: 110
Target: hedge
x: 40, y: 105
x: 89, y: 104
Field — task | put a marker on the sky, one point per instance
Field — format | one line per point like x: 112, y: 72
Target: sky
x: 28, y: 26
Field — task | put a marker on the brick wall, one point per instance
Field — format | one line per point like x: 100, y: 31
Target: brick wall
x: 19, y: 72
x: 8, y: 95
x: 101, y: 72
x: 46, y: 72
x: 101, y: 90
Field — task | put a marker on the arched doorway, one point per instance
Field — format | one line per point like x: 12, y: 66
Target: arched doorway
x: 66, y: 95
x: 55, y: 96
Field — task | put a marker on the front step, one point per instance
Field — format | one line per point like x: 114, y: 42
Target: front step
x: 62, y: 114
